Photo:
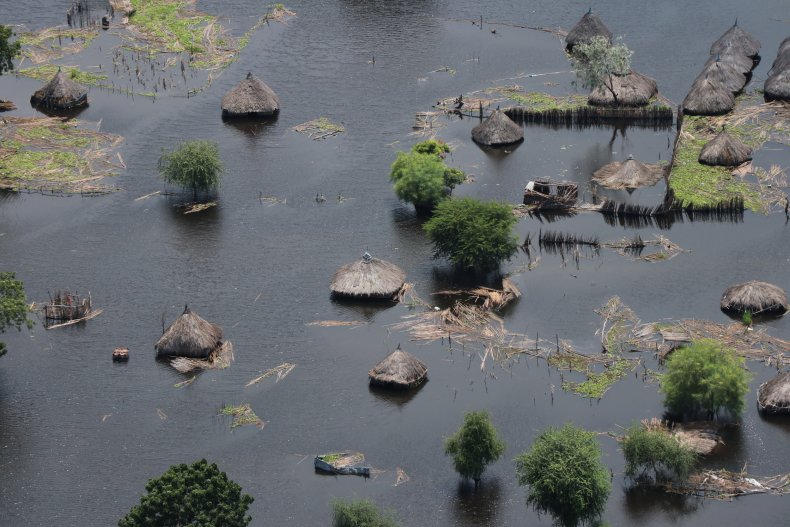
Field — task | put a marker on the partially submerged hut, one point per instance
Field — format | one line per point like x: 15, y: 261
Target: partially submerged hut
x: 497, y: 130
x: 250, y: 98
x: 368, y: 278
x: 628, y: 174
x: 633, y: 89
x: 739, y: 61
x: 737, y: 39
x: 725, y: 150
x: 777, y: 86
x: 708, y: 98
x: 781, y: 62
x: 190, y: 336
x: 60, y: 93
x: 773, y: 397
x: 398, y: 370
x: 723, y: 74
x: 754, y: 297
x: 585, y: 29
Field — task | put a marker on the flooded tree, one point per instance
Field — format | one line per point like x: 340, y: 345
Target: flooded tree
x: 13, y: 308
x: 360, y: 513
x: 658, y: 452
x: 192, y: 165
x: 8, y: 50
x: 598, y: 61
x: 475, y: 445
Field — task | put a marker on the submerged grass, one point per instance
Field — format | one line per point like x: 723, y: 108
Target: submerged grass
x: 542, y: 102
x: 242, y: 415
x: 597, y: 384
x: 55, y: 43
x: 171, y: 24
x: 45, y: 72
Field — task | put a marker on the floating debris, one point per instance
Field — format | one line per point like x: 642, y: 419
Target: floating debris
x: 320, y: 128
x: 219, y: 359
x: 400, y: 477
x: 242, y: 415
x: 342, y: 463
x: 492, y: 299
x: 280, y: 371
x: 120, y: 355
x: 336, y: 323
x: 191, y: 208
x: 185, y: 383
x: 702, y: 437
x: 724, y: 485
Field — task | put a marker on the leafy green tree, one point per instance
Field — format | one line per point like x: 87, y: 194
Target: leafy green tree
x: 565, y: 475
x: 196, y: 495
x: 704, y: 377
x: 472, y: 233
x: 13, y: 307
x: 419, y: 179
x: 431, y: 146
x: 598, y: 61
x: 360, y: 513
x: 656, y: 451
x: 8, y: 50
x: 194, y: 165
x: 475, y: 445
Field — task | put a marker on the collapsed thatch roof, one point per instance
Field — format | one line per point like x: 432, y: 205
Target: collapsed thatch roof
x: 755, y: 297
x: 725, y: 150
x: 708, y: 98
x: 773, y: 397
x: 777, y: 86
x: 250, y: 98
x: 368, y: 278
x: 739, y: 61
x: 60, y: 92
x: 189, y: 336
x: 628, y: 174
x: 633, y: 89
x: 738, y: 39
x: 398, y: 370
x: 585, y: 29
x: 498, y: 129
x: 724, y: 74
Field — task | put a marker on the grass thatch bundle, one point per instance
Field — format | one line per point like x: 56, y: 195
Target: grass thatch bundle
x: 585, y: 29
x: 773, y: 397
x: 632, y: 90
x: 737, y: 39
x: 498, y: 129
x: 701, y: 437
x: 725, y: 150
x: 738, y: 61
x: 61, y: 93
x: 781, y: 62
x: 398, y: 370
x: 708, y: 98
x: 628, y: 174
x: 723, y: 74
x: 777, y: 86
x: 250, y: 98
x: 190, y: 336
x: 368, y: 278
x: 755, y: 297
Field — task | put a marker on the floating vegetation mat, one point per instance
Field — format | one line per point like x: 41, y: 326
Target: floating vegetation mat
x: 242, y: 415
x: 320, y: 128
x: 633, y: 248
x: 219, y: 360
x: 281, y: 372
x: 45, y: 72
x: 51, y: 154
x: 724, y: 485
x: 490, y: 298
x: 55, y: 43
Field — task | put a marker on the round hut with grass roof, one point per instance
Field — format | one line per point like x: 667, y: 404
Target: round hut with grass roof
x: 739, y: 62
x: 190, y: 336
x: 629, y: 174
x: 708, y: 98
x: 368, y: 278
x: 754, y: 297
x: 585, y: 29
x: 633, y: 90
x: 398, y: 370
x: 773, y: 397
x: 736, y: 39
x: 250, y: 98
x: 725, y: 150
x: 497, y: 130
x: 727, y: 75
x: 60, y: 93
x: 777, y: 86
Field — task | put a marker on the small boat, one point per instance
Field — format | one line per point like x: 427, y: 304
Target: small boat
x: 546, y: 194
x: 343, y: 463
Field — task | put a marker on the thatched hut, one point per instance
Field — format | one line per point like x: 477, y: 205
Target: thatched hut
x: 398, y: 370
x: 190, y: 336
x: 773, y: 397
x: 739, y: 61
x: 250, y: 98
x: 628, y: 174
x: 497, y: 130
x: 60, y: 93
x: 725, y: 150
x: 777, y: 86
x: 723, y: 74
x: 368, y: 278
x: 737, y: 39
x: 633, y: 89
x: 781, y: 62
x: 754, y: 297
x: 708, y: 98
x: 585, y: 29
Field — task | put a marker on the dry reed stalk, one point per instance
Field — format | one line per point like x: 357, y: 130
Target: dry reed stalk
x: 192, y: 208
x: 92, y: 314
x: 336, y: 323
x: 280, y: 371
x: 400, y: 476
x: 218, y: 360
x: 724, y: 485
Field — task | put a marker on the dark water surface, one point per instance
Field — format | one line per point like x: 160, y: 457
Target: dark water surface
x: 80, y: 436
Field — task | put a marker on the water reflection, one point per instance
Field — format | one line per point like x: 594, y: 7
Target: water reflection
x: 643, y: 502
x: 250, y: 128
x: 477, y: 506
x: 365, y: 309
x: 393, y: 397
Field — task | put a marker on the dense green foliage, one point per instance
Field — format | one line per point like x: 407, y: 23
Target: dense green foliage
x: 8, y: 50
x: 431, y: 146
x: 196, y: 495
x: 474, y: 445
x: 419, y: 178
x: 195, y: 165
x: 13, y: 308
x: 473, y: 234
x: 595, y: 62
x: 360, y: 513
x: 565, y: 475
x: 656, y: 451
x: 704, y: 377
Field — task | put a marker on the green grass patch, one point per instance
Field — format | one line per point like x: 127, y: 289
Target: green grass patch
x: 543, y: 102
x: 28, y: 165
x: 242, y: 415
x: 61, y: 135
x: 171, y: 24
x: 597, y: 384
x: 45, y: 72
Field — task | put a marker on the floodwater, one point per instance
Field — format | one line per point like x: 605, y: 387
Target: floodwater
x: 80, y: 436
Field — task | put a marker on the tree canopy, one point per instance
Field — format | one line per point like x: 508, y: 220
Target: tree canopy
x: 419, y: 178
x: 195, y: 165
x: 360, y: 513
x: 8, y: 50
x: 475, y: 445
x: 656, y: 451
x: 597, y: 61
x: 13, y: 307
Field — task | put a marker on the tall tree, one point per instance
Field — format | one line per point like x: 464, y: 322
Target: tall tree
x: 8, y: 50
x: 474, y: 446
x: 13, y: 308
x: 598, y: 61
x: 194, y: 165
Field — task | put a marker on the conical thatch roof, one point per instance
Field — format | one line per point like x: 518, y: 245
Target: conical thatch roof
x: 589, y: 26
x: 189, y: 336
x: 498, y: 129
x: 708, y: 98
x: 755, y: 297
x: 723, y: 74
x: 739, y: 61
x: 773, y: 397
x: 777, y: 86
x: 633, y: 89
x: 398, y: 370
x: 784, y: 46
x: 61, y: 92
x: 628, y: 174
x: 738, y: 39
x: 368, y: 278
x: 781, y: 63
x: 250, y: 98
x: 725, y: 150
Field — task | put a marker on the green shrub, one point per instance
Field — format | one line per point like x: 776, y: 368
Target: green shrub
x: 419, y: 179
x: 565, y: 475
x: 472, y: 233
x: 360, y: 513
x: 194, y: 165
x: 431, y: 146
x: 475, y: 445
x: 747, y: 318
x: 704, y: 377
x: 8, y: 50
x: 656, y: 451
x: 13, y: 307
